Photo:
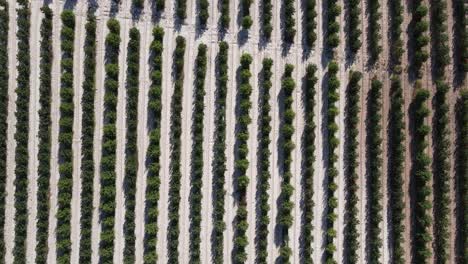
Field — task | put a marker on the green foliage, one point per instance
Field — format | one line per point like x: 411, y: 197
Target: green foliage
x: 375, y: 16
x: 160, y: 5
x: 131, y: 147
x: 196, y: 182
x: 374, y: 173
x: 137, y: 3
x: 396, y: 42
x: 174, y: 166
x: 107, y: 203
x: 181, y: 9
x: 332, y: 159
x: 441, y: 137
x: 44, y: 136
x: 241, y: 160
x: 4, y: 19
x: 462, y: 178
x: 87, y: 139
x: 461, y: 40
x: 308, y: 141
x: 22, y: 132
x: 267, y: 15
x: 332, y: 37
x: 246, y: 19
x: 285, y: 218
x: 396, y: 162
x: 203, y: 13
x: 224, y: 18
x: 439, y: 37
x: 420, y: 37
x: 310, y: 16
x: 354, y: 24
x: 65, y: 183
x: 351, y: 233
x: 421, y: 176
x: 264, y: 163
x: 219, y: 154
x: 153, y: 181
x: 289, y: 28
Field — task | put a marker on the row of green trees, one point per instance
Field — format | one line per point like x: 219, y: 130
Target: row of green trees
x: 219, y: 154
x: 4, y: 19
x: 374, y: 173
x: 461, y: 36
x: 174, y: 166
x: 396, y: 165
x: 354, y: 25
x: 332, y: 159
x: 462, y: 178
x: 396, y: 137
x: 421, y: 177
x: 441, y: 169
x: 203, y: 13
x: 310, y: 23
x: 224, y: 17
x: 352, y: 110
x: 137, y: 3
x: 44, y: 136
x: 375, y: 43
x: 153, y: 155
x: 181, y: 9
x: 196, y: 182
x: 289, y: 28
x: 439, y: 37
x: 420, y: 37
x: 285, y: 218
x: 332, y: 37
x: 242, y: 162
x: 441, y: 132
x: 308, y: 148
x: 87, y: 139
x: 267, y: 15
x: 159, y: 5
x: 108, y: 177
x: 263, y: 220
x: 65, y: 183
x: 131, y: 147
x: 246, y: 20
x: 396, y: 42
x: 22, y: 130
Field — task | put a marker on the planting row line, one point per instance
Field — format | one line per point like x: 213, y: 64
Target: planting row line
x: 65, y: 184
x: 264, y: 160
x: 196, y: 181
x: 22, y: 130
x: 309, y: 159
x: 219, y: 154
x: 354, y: 25
x: 374, y: 173
x: 375, y: 45
x: 153, y: 155
x: 4, y: 20
x: 175, y: 156
x: 87, y: 140
x: 108, y: 177
x: 131, y: 148
x: 419, y: 36
x: 285, y: 218
x: 44, y: 136
x: 351, y: 234
x: 462, y: 178
x: 241, y: 160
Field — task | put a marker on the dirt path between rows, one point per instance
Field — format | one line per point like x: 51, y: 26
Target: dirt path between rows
x: 11, y: 143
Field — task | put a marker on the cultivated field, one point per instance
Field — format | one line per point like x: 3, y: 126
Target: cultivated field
x: 233, y: 131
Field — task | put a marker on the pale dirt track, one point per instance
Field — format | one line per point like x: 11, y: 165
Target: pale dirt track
x: 272, y: 49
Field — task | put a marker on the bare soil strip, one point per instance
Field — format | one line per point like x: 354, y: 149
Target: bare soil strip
x: 36, y: 16
x: 11, y: 143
